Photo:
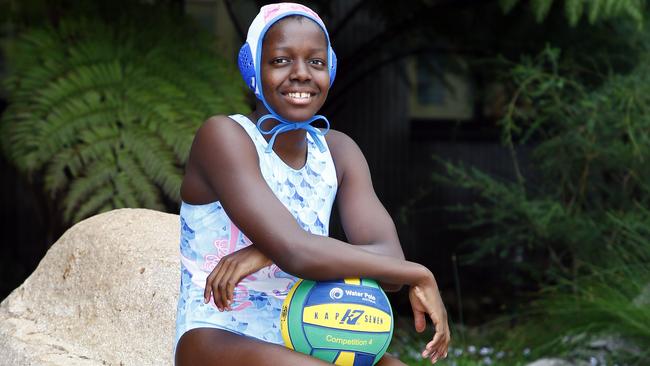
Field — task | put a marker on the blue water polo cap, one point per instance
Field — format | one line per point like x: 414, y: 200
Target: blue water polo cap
x: 250, y: 56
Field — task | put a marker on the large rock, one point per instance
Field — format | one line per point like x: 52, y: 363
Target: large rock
x: 105, y: 294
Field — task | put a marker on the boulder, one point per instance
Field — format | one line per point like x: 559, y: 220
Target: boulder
x: 104, y: 294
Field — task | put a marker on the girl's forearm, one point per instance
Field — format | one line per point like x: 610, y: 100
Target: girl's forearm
x: 322, y: 258
x: 392, y: 249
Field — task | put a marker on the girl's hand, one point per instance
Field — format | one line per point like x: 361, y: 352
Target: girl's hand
x: 229, y: 271
x: 425, y: 300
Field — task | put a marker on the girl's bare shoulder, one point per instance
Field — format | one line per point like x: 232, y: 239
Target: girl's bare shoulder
x: 219, y: 128
x: 221, y: 140
x: 345, y: 152
x: 339, y: 142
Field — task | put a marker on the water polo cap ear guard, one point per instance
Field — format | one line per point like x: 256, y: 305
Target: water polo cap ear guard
x: 249, y: 62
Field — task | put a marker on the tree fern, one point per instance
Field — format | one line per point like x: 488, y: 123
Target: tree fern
x: 595, y: 10
x: 105, y: 114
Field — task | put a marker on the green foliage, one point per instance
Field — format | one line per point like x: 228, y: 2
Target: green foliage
x: 592, y: 156
x: 470, y: 347
x: 579, y: 225
x: 610, y: 303
x: 594, y: 10
x: 103, y: 114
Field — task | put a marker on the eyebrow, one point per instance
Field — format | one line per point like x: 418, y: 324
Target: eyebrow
x: 289, y: 48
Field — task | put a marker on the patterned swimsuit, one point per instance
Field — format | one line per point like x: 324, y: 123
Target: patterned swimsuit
x: 208, y: 234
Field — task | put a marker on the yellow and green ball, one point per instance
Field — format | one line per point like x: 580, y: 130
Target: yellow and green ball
x: 347, y: 322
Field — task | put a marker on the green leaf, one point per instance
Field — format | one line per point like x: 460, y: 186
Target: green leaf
x: 573, y: 10
x: 507, y: 5
x: 595, y: 8
x: 541, y: 9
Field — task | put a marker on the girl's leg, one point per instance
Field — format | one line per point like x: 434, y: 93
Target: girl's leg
x: 388, y: 360
x: 215, y: 347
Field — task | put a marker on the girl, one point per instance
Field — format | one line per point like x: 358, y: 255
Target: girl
x: 274, y: 177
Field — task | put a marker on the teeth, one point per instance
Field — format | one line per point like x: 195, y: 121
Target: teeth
x: 299, y: 95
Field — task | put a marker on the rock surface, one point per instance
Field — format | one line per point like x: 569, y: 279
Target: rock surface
x: 104, y: 294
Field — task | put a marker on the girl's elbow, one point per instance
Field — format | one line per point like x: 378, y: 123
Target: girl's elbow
x: 283, y: 251
x: 299, y: 263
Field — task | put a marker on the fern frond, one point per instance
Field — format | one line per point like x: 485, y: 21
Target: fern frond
x: 106, y: 113
x: 93, y: 205
x: 82, y: 189
x: 156, y: 160
x: 134, y: 179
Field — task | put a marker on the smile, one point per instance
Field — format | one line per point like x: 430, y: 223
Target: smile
x: 298, y: 98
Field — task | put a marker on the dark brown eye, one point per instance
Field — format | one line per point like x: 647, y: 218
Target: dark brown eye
x: 280, y: 60
x: 317, y: 62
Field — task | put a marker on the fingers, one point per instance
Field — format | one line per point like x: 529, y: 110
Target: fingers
x: 207, y: 291
x: 218, y: 287
x: 437, y: 348
x: 229, y: 280
x: 439, y: 345
x: 232, y: 280
x: 419, y: 320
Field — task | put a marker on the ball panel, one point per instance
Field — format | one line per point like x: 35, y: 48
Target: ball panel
x: 327, y: 355
x: 348, y: 317
x: 352, y: 281
x: 336, y: 292
x: 291, y: 316
x: 326, y: 338
x: 369, y: 282
x: 384, y: 348
x: 364, y: 359
x: 345, y: 359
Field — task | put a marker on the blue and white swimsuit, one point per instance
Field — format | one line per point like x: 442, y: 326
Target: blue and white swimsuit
x: 208, y: 234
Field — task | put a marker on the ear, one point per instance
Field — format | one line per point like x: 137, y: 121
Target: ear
x: 332, y: 66
x: 247, y: 66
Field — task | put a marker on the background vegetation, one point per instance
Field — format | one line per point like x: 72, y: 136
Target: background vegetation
x: 102, y: 113
x: 566, y: 235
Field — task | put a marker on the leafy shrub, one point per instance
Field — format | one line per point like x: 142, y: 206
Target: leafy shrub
x: 594, y: 10
x: 586, y: 208
x: 591, y: 158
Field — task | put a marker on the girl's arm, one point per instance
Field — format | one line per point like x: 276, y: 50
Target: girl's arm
x: 228, y: 162
x: 365, y: 220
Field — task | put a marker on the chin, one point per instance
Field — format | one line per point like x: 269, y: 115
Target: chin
x: 298, y: 116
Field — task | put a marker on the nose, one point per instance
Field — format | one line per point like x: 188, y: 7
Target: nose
x: 300, y: 71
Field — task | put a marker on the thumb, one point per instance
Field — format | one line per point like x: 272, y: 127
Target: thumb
x: 420, y: 321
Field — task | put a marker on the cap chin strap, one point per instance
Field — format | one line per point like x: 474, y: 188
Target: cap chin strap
x: 285, y: 126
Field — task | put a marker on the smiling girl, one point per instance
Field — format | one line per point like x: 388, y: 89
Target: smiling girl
x: 257, y: 196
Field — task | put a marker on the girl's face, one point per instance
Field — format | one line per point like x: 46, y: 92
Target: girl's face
x: 295, y: 74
